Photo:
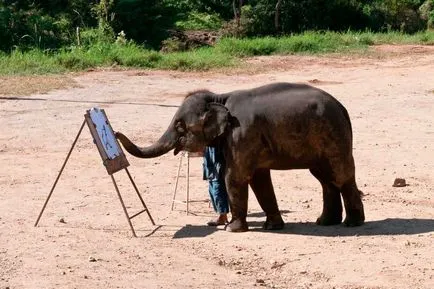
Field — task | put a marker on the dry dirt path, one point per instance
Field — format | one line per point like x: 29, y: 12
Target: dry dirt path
x: 390, y: 98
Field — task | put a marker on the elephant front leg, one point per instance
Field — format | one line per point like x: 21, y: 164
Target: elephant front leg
x: 238, y: 199
x: 263, y: 188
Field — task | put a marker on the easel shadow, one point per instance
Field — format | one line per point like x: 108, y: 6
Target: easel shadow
x: 143, y: 233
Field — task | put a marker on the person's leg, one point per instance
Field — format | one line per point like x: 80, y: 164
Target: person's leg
x: 219, y: 200
x: 220, y: 196
x: 212, y: 194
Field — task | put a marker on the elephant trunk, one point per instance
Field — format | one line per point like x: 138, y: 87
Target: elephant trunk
x: 166, y: 143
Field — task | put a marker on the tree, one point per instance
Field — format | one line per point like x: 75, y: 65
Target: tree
x: 146, y: 21
x: 236, y: 6
x: 277, y: 15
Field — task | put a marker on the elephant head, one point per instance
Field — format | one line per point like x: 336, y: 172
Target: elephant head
x: 199, y: 121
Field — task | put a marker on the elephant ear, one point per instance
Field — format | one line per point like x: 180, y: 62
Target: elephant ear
x: 215, y: 121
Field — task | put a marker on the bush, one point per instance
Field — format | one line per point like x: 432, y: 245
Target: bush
x: 426, y: 11
x: 248, y: 47
x: 92, y: 36
x: 200, y: 21
x: 400, y: 15
x: 147, y: 22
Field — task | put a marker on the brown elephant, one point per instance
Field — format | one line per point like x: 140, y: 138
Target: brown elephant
x: 279, y: 126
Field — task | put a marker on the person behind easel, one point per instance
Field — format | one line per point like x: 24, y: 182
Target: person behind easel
x: 213, y: 171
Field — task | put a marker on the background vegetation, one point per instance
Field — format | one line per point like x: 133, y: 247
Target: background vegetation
x: 59, y: 35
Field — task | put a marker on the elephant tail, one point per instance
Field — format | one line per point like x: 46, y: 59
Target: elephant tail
x: 347, y: 116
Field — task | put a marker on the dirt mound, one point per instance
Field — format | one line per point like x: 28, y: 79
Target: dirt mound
x: 186, y: 40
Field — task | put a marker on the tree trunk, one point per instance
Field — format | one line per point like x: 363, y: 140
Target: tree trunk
x: 277, y: 15
x: 237, y: 11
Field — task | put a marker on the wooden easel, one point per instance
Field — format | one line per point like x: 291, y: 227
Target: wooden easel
x: 187, y: 176
x: 113, y: 163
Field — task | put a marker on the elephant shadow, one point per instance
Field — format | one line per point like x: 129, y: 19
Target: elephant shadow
x: 390, y: 226
x: 193, y: 231
x: 262, y: 214
x: 198, y: 231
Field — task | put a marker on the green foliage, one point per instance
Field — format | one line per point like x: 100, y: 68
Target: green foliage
x: 423, y: 37
x: 258, y: 16
x: 223, y: 8
x: 426, y: 11
x: 227, y: 52
x: 29, y: 62
x: 400, y: 15
x: 41, y: 24
x: 199, y: 60
x: 28, y: 28
x: 145, y: 21
x: 200, y: 21
x: 92, y: 36
x: 109, y: 55
x: 317, y: 42
x: 172, y: 45
x: 248, y: 47
x: 51, y: 24
x: 298, y: 16
x: 308, y: 42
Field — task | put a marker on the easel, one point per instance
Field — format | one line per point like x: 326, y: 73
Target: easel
x: 187, y: 176
x: 112, y: 155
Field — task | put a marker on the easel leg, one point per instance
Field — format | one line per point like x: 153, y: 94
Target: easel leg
x: 176, y: 183
x: 58, y: 176
x: 123, y: 206
x: 140, y: 197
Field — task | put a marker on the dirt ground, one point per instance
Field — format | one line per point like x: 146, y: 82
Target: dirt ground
x: 83, y: 240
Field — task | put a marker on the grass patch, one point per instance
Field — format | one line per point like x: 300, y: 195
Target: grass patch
x: 422, y: 38
x: 318, y: 42
x: 200, y: 60
x: 107, y: 55
x: 227, y: 52
x: 308, y: 42
x: 30, y: 62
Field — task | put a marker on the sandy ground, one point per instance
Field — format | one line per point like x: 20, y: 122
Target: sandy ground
x: 390, y: 98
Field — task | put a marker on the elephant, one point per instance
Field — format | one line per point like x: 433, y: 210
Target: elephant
x: 279, y: 126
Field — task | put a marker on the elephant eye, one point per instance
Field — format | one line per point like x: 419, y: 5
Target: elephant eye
x: 195, y: 128
x: 180, y: 127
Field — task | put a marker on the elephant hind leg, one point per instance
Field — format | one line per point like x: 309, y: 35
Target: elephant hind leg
x: 263, y: 188
x: 332, y: 205
x: 343, y: 171
x: 355, y: 215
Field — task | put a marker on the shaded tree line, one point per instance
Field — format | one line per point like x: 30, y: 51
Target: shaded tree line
x: 52, y: 24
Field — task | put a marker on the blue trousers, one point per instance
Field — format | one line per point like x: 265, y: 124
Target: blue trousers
x: 219, y: 196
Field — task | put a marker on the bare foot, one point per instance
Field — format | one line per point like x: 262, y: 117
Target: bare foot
x: 222, y: 219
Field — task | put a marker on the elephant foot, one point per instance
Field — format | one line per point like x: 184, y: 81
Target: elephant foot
x: 237, y: 225
x: 355, y: 218
x: 329, y: 220
x: 274, y: 223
